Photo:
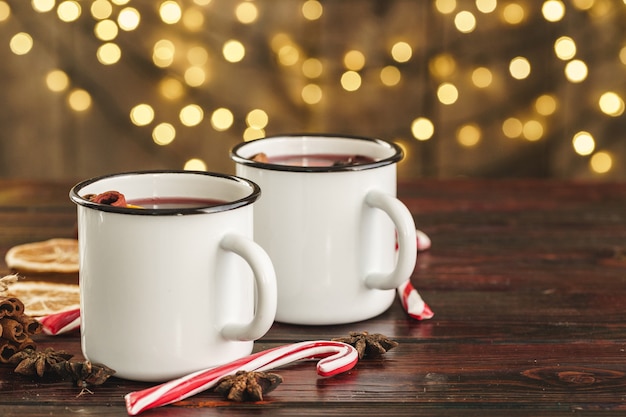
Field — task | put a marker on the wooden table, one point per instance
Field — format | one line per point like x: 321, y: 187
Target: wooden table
x: 527, y: 279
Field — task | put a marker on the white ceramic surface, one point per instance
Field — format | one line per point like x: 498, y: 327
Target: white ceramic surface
x: 331, y: 231
x: 168, y: 292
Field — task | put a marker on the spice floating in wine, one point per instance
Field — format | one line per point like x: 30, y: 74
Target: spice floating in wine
x: 115, y: 198
x: 110, y: 198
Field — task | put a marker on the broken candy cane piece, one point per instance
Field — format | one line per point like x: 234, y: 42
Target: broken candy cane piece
x: 336, y: 357
x: 412, y: 302
x: 423, y: 241
x: 409, y: 297
x: 58, y: 323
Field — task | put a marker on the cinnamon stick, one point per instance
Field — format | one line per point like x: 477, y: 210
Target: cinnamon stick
x: 30, y: 324
x: 27, y: 344
x: 6, y: 306
x: 7, y: 349
x: 10, y: 306
x: 12, y: 330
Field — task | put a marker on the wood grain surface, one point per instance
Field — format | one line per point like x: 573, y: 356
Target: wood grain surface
x: 527, y: 279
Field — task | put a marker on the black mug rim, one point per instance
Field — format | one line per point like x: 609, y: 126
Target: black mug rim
x: 255, y: 193
x: 396, y: 157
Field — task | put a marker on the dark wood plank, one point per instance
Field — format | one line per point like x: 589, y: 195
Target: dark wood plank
x: 526, y: 278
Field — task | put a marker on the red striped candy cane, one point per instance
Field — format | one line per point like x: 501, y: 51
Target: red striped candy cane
x: 336, y: 357
x: 412, y: 302
x: 423, y: 241
x: 410, y: 299
x: 58, y: 323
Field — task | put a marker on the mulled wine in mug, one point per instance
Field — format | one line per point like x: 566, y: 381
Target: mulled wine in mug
x: 171, y: 281
x: 329, y: 219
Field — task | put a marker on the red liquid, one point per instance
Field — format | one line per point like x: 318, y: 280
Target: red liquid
x: 320, y: 160
x: 174, y: 202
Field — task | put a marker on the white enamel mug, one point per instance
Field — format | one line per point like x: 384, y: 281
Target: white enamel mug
x: 168, y: 291
x: 330, y: 230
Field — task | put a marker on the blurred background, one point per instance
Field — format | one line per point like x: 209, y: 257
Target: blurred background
x: 469, y: 88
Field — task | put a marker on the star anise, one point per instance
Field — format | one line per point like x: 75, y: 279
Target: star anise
x: 247, y: 386
x: 368, y: 344
x: 31, y: 362
x: 84, y: 373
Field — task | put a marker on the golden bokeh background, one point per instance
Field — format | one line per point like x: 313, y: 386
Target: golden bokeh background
x: 476, y: 88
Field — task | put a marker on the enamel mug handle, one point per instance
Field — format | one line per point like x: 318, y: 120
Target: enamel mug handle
x: 265, y: 281
x: 407, y: 241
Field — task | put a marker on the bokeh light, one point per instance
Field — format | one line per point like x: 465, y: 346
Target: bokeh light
x: 257, y: 119
x: 584, y: 143
x: 195, y: 164
x: 79, y: 100
x: 401, y: 51
x: 546, y: 104
x: 447, y: 93
x: 482, y: 77
x: 390, y: 75
x: 106, y: 30
x: 576, y: 71
x: 108, y: 53
x: 519, y: 68
x: 532, y: 130
x: 611, y: 103
x: 469, y: 135
x: 100, y: 9
x: 513, y: 13
x: 246, y: 12
x: 312, y: 9
x: 512, y: 127
x: 233, y: 51
x: 43, y: 6
x: 128, y: 19
x: 422, y: 128
x: 565, y: 48
x: 553, y: 10
x: 465, y: 22
x: 191, y: 115
x: 57, y: 80
x: 68, y: 11
x: 142, y: 114
x: 312, y: 68
x: 445, y: 6
x: 222, y: 119
x: 163, y: 134
x: 350, y: 80
x: 486, y: 6
x: 354, y: 60
x: 21, y: 43
x: 312, y: 93
x: 170, y: 12
x: 601, y: 162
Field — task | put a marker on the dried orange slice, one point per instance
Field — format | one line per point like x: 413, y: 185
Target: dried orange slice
x: 41, y: 298
x: 54, y: 255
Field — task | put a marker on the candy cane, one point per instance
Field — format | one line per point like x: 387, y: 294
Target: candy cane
x: 336, y: 357
x: 412, y: 302
x: 423, y: 241
x: 63, y: 322
x: 410, y: 299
